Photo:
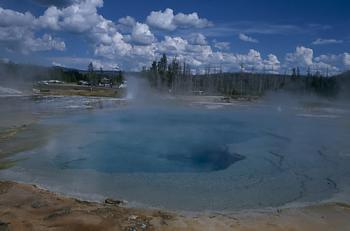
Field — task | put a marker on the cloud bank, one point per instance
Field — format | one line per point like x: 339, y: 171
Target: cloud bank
x: 132, y: 44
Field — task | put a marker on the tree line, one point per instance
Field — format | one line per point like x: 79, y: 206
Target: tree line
x: 176, y: 77
x: 10, y: 71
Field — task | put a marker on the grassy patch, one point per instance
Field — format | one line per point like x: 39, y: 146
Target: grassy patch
x: 343, y: 205
x: 20, y: 139
x: 7, y: 164
x: 9, y: 133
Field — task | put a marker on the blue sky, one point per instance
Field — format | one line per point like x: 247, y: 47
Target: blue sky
x: 263, y: 35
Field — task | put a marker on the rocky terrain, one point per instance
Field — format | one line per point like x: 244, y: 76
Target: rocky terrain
x: 27, y: 207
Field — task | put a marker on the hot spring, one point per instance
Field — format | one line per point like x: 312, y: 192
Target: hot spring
x: 193, y: 157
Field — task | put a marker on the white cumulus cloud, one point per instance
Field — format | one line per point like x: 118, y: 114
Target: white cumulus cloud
x: 302, y: 57
x: 198, y: 39
x: 191, y: 20
x: 346, y: 60
x: 247, y: 38
x: 142, y: 34
x: 223, y: 46
x: 10, y: 18
x: 45, y: 43
x: 17, y: 33
x: 166, y: 20
x: 127, y: 21
x: 162, y: 20
x: 78, y: 17
x: 325, y: 64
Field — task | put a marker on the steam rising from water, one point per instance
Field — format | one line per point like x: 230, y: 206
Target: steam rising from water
x: 192, y: 158
x: 5, y: 91
x: 140, y: 93
x: 157, y: 152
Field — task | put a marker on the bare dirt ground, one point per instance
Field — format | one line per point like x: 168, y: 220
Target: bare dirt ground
x: 26, y: 207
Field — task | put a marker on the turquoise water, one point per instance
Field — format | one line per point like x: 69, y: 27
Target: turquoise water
x: 194, y: 158
x: 151, y: 141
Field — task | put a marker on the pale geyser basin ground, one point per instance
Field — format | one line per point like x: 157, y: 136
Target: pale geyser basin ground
x: 194, y: 158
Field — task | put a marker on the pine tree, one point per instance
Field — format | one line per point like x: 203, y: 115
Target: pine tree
x: 298, y: 72
x: 162, y: 68
x: 90, y: 67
